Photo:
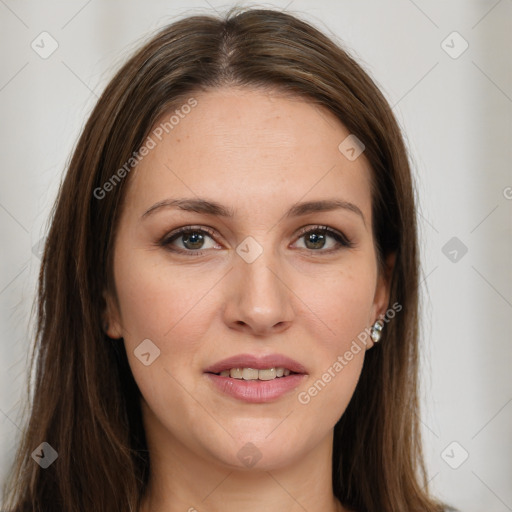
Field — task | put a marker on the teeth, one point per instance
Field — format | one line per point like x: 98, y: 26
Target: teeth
x: 250, y: 374
x: 235, y: 373
x: 269, y: 374
x: 253, y: 374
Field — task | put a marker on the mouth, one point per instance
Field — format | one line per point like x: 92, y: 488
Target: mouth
x: 256, y: 379
x: 255, y: 374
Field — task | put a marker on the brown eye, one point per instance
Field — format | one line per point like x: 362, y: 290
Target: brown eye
x: 190, y: 240
x: 317, y: 238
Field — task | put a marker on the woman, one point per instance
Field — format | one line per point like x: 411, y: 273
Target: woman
x: 228, y: 299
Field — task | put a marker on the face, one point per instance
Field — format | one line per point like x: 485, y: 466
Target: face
x: 272, y: 285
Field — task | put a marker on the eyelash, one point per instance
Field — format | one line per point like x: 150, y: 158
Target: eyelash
x: 341, y: 239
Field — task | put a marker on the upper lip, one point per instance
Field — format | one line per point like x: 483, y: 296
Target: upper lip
x: 256, y: 362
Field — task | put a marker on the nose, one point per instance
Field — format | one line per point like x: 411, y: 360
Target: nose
x: 258, y: 297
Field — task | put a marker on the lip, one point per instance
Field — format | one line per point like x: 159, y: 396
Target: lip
x: 256, y: 391
x: 257, y: 362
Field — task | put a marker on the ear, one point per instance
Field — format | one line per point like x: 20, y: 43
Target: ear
x: 111, y: 317
x: 382, y: 292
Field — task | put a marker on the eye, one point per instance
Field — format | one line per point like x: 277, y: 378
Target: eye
x: 316, y: 239
x: 191, y: 238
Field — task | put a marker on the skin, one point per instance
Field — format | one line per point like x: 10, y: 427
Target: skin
x: 259, y: 153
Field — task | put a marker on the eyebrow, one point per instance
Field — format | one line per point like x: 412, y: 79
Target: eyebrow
x: 208, y: 207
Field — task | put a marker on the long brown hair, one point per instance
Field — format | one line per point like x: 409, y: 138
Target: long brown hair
x: 85, y: 402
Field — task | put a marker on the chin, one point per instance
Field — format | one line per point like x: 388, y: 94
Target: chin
x: 263, y: 452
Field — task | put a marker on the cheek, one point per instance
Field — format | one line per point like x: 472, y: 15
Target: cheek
x: 156, y: 298
x: 342, y: 299
x: 344, y: 305
x: 339, y: 355
x: 162, y: 304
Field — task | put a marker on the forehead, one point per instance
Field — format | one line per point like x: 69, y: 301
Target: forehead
x: 243, y: 146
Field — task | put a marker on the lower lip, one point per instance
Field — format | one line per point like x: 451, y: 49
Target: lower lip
x: 256, y: 391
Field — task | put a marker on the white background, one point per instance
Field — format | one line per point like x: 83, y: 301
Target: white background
x: 457, y: 117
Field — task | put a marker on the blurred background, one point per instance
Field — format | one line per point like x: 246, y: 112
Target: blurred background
x: 445, y: 68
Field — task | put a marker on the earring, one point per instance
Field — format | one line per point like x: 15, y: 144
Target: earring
x: 376, y: 331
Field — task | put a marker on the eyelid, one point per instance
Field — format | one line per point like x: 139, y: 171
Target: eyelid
x: 176, y: 233
x: 331, y: 231
x: 341, y: 240
x: 339, y: 236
